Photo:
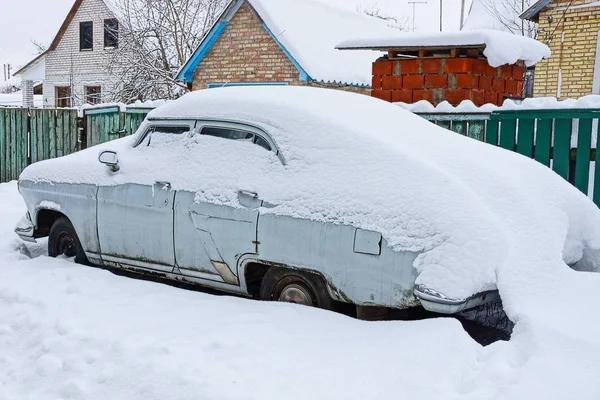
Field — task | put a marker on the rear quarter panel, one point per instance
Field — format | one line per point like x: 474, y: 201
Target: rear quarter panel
x: 386, y: 279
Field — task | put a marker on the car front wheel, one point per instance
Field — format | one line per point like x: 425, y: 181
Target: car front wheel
x: 63, y: 240
x: 290, y: 286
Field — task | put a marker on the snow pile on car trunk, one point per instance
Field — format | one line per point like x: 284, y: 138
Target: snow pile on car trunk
x: 479, y: 215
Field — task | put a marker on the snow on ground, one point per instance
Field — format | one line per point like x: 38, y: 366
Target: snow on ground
x: 75, y: 332
x: 500, y: 47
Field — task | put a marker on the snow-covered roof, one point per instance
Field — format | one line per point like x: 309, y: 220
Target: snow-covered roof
x: 307, y: 31
x: 499, y: 47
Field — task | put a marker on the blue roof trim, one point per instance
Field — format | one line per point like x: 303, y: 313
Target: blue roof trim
x: 303, y: 74
x: 187, y: 72
x: 535, y: 9
x: 229, y: 84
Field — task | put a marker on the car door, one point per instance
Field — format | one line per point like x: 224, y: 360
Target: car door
x: 135, y: 220
x: 210, y: 238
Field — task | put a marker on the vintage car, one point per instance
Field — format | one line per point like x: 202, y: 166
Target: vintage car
x: 299, y: 195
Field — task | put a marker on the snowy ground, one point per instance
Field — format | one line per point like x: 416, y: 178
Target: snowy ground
x: 73, y: 332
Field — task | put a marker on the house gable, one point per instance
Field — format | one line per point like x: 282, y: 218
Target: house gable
x: 68, y: 66
x: 239, y: 28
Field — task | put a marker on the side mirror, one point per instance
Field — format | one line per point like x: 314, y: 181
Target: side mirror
x: 110, y: 159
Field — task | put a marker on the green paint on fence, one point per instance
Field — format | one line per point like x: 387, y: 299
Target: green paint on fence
x: 562, y: 146
x: 543, y: 142
x: 582, y: 161
x: 525, y: 137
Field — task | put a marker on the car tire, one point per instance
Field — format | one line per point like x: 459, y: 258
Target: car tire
x: 63, y: 240
x: 293, y: 286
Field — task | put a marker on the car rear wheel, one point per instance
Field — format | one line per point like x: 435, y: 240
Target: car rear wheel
x: 63, y: 240
x: 297, y: 287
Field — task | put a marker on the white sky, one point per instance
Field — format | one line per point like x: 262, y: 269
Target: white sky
x: 39, y: 20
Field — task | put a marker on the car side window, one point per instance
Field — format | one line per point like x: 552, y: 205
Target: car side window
x: 235, y: 134
x: 175, y: 130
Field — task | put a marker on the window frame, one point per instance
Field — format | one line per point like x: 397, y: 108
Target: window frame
x: 108, y: 33
x: 257, y: 131
x: 97, y: 96
x: 81, y: 38
x: 58, y: 99
x: 188, y: 124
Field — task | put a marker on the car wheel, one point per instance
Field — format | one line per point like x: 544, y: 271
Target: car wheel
x: 297, y: 287
x: 63, y: 240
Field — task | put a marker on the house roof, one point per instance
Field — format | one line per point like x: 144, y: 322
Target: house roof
x: 307, y: 31
x: 533, y: 12
x: 31, y: 64
x: 112, y: 6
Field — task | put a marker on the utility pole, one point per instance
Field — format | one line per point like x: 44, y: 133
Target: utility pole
x: 414, y: 3
x: 462, y: 14
x: 441, y: 13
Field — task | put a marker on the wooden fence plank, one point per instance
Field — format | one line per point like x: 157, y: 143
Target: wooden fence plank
x: 582, y: 162
x: 52, y: 134
x: 74, y: 132
x: 543, y: 141
x: 491, y: 132
x: 508, y: 134
x: 3, y: 166
x: 562, y: 146
x: 13, y: 144
x: 33, y: 137
x: 525, y: 137
x: 60, y: 143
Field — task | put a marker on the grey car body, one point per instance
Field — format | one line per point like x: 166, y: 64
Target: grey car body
x: 152, y: 228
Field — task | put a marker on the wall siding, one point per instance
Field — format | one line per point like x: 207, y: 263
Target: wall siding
x: 574, y: 56
x: 245, y: 52
x: 68, y: 66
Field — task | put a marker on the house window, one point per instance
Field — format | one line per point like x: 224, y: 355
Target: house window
x: 111, y: 33
x: 86, y: 35
x: 93, y: 94
x: 63, y: 96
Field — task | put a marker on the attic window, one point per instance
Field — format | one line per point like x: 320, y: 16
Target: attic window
x: 86, y: 35
x: 111, y: 33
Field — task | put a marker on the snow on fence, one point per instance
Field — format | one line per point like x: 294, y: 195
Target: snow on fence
x: 561, y: 139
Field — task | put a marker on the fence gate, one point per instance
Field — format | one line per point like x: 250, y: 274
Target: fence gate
x: 53, y: 133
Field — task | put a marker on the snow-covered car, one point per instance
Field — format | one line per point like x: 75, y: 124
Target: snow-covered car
x: 302, y: 195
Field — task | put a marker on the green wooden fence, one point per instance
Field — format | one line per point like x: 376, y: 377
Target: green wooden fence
x: 105, y: 124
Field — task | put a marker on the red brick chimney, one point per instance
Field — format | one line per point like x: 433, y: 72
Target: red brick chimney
x: 450, y: 78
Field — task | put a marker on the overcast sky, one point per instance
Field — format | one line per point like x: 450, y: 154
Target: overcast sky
x: 39, y: 20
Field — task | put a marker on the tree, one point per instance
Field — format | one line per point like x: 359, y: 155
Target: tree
x: 373, y: 9
x: 507, y: 13
x: 155, y: 38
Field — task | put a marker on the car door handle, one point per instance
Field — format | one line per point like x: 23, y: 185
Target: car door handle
x: 248, y: 193
x: 163, y: 184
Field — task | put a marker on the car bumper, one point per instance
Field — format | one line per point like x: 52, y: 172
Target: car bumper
x: 436, y: 302
x: 25, y: 229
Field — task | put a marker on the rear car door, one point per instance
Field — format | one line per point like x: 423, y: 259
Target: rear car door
x: 135, y: 220
x: 210, y: 238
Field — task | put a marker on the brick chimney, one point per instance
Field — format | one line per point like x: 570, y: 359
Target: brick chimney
x: 451, y: 78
